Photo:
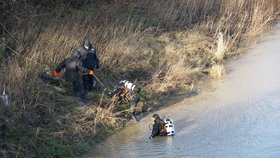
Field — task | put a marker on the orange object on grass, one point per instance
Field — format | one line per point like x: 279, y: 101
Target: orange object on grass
x: 55, y: 73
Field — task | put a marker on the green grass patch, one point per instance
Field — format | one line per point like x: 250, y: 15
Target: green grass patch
x: 54, y: 147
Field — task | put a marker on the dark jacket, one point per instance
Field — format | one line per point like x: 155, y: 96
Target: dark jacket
x: 117, y: 90
x: 89, y: 58
x: 158, y: 128
x: 123, y: 92
x: 74, y: 68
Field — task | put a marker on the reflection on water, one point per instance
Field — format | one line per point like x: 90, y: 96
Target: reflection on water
x: 238, y: 118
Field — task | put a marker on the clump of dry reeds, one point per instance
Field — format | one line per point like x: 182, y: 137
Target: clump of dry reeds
x: 184, y: 42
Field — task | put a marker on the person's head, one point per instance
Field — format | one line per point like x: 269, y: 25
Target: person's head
x: 87, y: 44
x: 77, y: 54
x: 155, y: 117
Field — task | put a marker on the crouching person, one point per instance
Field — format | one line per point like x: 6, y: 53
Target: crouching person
x: 128, y: 91
x: 73, y: 73
x: 158, y: 127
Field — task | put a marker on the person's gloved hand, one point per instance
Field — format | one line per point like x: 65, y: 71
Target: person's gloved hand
x: 90, y: 72
x: 55, y: 74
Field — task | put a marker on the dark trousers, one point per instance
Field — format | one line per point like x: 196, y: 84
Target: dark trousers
x: 2, y: 133
x: 78, y: 88
x: 133, y: 102
x: 156, y: 130
x: 88, y: 82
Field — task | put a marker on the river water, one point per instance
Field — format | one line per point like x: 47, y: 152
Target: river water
x: 238, y: 116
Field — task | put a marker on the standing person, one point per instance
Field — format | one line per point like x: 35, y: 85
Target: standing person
x: 128, y: 91
x: 90, y: 61
x: 74, y: 69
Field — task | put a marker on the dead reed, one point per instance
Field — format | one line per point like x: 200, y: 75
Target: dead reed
x: 166, y: 46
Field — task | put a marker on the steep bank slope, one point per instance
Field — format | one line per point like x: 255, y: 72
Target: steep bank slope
x: 135, y: 41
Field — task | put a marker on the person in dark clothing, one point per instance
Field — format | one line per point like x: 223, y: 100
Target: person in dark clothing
x: 158, y: 127
x: 130, y: 92
x: 90, y: 61
x: 74, y: 69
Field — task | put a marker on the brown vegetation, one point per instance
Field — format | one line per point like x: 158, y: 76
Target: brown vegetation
x: 167, y: 46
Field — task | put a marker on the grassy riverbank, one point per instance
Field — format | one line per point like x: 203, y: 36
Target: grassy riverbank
x: 166, y: 47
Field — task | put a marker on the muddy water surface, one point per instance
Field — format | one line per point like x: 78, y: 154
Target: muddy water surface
x: 237, y: 117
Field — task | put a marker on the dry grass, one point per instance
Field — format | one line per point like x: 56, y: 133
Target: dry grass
x: 173, y: 46
x: 181, y: 12
x: 216, y: 71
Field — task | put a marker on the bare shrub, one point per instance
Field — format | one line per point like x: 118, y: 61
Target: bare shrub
x: 221, y: 48
x: 181, y: 12
x: 188, y: 39
x: 216, y: 71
